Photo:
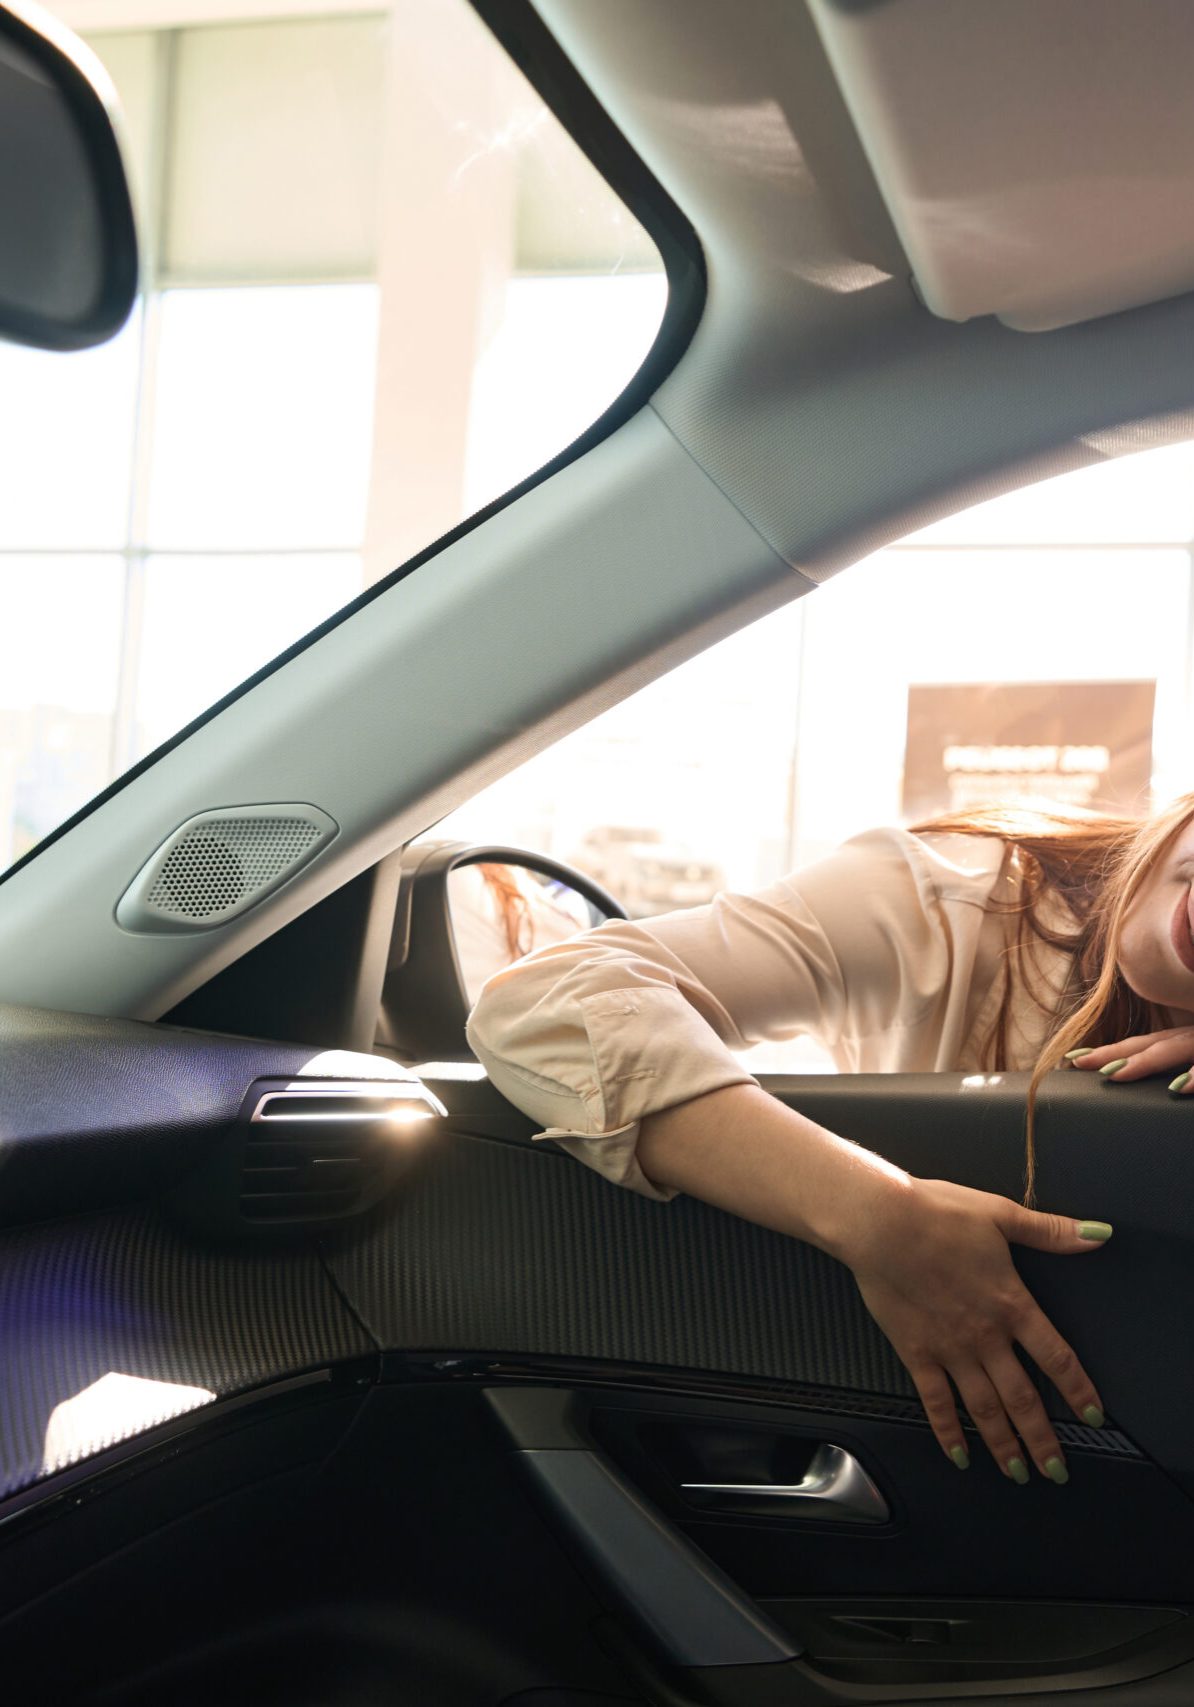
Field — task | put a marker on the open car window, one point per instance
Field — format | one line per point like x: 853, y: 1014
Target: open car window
x: 1004, y: 660
x: 381, y: 286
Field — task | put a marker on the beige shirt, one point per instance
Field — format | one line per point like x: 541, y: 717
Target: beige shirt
x: 884, y: 952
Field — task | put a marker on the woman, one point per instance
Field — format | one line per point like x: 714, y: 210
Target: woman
x: 996, y: 941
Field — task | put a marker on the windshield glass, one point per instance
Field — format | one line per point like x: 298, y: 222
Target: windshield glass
x: 381, y: 286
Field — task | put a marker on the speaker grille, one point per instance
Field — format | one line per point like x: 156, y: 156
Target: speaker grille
x: 222, y: 862
x: 227, y: 860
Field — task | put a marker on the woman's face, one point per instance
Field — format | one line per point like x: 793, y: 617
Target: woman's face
x: 1156, y: 946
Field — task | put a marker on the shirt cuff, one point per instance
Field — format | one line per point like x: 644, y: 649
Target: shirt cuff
x: 613, y: 1154
x: 648, y: 1050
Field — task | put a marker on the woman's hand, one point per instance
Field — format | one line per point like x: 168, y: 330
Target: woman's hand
x: 936, y: 1274
x: 1141, y: 1057
x: 931, y: 1259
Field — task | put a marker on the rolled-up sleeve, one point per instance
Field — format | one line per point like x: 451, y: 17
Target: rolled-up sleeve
x: 591, y: 1035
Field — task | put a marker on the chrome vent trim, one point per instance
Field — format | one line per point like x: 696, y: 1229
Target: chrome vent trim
x: 359, y: 1102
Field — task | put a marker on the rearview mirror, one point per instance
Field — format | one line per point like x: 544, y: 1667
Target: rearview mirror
x: 500, y: 911
x: 68, y: 247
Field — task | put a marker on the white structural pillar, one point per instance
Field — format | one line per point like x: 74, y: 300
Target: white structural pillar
x: 445, y: 253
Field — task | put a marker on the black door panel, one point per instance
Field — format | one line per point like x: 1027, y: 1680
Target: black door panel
x: 494, y: 1246
x: 691, y: 1339
x: 566, y: 1263
x: 499, y: 1246
x: 687, y: 1620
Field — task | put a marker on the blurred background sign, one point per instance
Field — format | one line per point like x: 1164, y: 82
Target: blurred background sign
x: 1084, y: 744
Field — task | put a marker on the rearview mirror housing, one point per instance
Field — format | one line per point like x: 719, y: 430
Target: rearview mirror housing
x: 68, y: 246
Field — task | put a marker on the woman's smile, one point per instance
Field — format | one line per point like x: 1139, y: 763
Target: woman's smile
x: 1156, y: 944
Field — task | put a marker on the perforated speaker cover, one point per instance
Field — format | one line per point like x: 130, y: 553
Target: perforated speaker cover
x: 220, y: 863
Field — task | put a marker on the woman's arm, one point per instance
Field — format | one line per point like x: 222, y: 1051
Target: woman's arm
x: 590, y: 1035
x: 931, y: 1259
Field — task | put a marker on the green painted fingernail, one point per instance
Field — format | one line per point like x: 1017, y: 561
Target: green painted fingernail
x: 1180, y: 1083
x: 1099, y: 1231
x: 1112, y: 1067
x: 960, y: 1457
x: 1017, y: 1469
x: 1056, y: 1471
x: 1093, y: 1415
x: 1077, y: 1054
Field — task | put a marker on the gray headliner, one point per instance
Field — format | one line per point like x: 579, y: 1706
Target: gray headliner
x: 830, y: 407
x: 819, y: 412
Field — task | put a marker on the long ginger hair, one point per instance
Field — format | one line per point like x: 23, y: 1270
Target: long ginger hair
x: 1095, y: 866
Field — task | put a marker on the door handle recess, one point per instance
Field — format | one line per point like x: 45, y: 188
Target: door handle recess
x: 695, y: 1615
x: 834, y: 1487
x: 686, y: 1606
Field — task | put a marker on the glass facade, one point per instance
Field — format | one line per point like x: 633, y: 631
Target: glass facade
x: 381, y: 286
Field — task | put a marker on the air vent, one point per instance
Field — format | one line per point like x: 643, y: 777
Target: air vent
x: 318, y: 1152
x: 311, y: 1178
x: 220, y: 863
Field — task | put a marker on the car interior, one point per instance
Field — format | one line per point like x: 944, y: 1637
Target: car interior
x: 320, y: 1380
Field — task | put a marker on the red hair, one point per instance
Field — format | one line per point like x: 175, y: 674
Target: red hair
x: 1095, y: 865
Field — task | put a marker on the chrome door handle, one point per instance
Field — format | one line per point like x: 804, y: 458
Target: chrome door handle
x: 835, y: 1488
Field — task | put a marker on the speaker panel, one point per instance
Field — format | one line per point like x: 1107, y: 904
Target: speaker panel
x: 220, y: 863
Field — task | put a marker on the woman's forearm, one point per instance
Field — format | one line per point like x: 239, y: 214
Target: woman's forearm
x: 742, y: 1150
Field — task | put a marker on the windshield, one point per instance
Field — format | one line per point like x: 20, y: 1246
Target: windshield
x: 381, y: 286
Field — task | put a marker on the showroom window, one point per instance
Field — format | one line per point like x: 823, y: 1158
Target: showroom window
x: 381, y: 285
x: 1039, y: 647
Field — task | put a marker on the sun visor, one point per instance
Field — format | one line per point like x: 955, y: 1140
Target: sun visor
x: 1036, y: 156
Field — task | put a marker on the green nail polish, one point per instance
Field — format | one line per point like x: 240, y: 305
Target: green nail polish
x: 1180, y: 1083
x: 1056, y: 1471
x: 960, y: 1457
x: 1077, y: 1054
x: 1017, y: 1469
x: 1093, y: 1415
x: 1099, y: 1231
x: 1112, y: 1067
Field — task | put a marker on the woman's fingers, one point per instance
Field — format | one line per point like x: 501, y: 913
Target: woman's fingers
x: 1157, y: 1058
x: 988, y: 1413
x: 937, y: 1397
x: 1153, y: 1052
x: 1026, y: 1414
x: 1058, y: 1360
x: 1004, y: 1407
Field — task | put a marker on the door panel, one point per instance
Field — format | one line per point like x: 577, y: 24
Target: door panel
x: 701, y: 1634
x: 563, y: 1263
x: 690, y: 1346
x: 502, y: 1248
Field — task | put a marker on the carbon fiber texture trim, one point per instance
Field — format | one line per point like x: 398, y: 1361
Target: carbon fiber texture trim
x: 111, y: 1324
x: 491, y: 1245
